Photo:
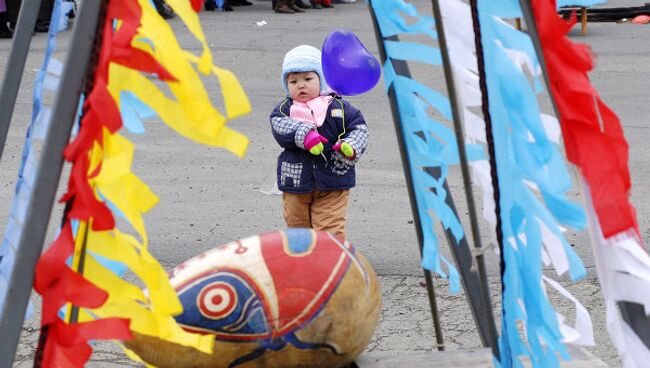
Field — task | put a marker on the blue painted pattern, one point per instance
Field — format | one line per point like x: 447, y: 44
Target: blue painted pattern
x: 225, y: 303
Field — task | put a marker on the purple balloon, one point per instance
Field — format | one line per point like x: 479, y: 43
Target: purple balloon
x: 349, y: 68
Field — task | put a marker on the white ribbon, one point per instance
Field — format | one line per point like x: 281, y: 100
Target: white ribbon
x: 623, y: 269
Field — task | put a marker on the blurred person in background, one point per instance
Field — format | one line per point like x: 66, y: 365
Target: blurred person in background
x: 9, y: 16
x: 223, y: 5
x: 289, y: 6
x: 5, y: 32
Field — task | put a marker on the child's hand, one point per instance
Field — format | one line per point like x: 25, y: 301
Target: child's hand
x: 345, y: 148
x: 314, y: 143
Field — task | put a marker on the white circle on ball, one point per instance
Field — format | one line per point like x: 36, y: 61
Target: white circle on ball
x: 217, y: 300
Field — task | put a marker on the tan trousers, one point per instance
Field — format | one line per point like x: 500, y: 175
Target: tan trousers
x: 318, y: 210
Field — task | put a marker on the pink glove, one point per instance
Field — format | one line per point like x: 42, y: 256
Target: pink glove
x: 345, y: 148
x: 314, y: 142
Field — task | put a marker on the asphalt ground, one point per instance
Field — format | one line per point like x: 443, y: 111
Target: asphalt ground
x: 210, y: 197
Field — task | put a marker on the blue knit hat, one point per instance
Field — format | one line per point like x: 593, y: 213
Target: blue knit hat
x: 303, y: 58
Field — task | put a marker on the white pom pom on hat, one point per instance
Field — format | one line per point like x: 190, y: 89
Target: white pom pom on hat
x: 303, y: 58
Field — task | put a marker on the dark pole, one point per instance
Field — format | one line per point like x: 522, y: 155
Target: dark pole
x: 90, y: 81
x: 633, y: 313
x: 402, y: 69
x: 47, y: 178
x: 74, y: 311
x: 467, y: 183
x: 475, y: 286
x: 485, y: 105
x: 16, y: 65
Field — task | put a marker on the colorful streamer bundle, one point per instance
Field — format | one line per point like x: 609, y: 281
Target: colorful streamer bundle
x: 596, y: 144
x: 529, y: 165
x: 47, y: 79
x: 136, y: 45
x: 430, y: 143
x: 550, y: 246
x: 526, y: 153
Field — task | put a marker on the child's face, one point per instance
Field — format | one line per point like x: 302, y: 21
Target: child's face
x: 303, y: 86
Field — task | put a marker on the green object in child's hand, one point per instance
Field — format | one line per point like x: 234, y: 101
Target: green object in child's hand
x: 314, y: 142
x: 347, y: 150
x: 317, y: 149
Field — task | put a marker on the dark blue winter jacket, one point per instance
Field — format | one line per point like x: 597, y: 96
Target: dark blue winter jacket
x: 301, y: 172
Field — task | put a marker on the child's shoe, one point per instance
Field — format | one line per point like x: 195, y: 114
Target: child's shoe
x: 282, y: 7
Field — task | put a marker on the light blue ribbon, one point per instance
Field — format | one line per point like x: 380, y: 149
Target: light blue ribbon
x: 133, y: 112
x: 391, y: 23
x: 410, y: 51
x: 47, y: 78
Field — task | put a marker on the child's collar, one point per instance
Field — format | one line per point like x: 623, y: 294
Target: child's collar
x: 333, y: 94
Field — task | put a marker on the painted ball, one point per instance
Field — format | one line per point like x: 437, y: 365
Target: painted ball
x: 291, y: 298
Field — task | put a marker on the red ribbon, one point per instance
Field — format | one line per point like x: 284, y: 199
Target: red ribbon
x: 85, y: 204
x: 58, y: 284
x: 196, y: 5
x: 67, y: 345
x: 592, y: 132
x: 122, y: 52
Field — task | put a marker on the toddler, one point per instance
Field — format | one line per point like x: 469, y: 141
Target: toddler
x: 323, y: 137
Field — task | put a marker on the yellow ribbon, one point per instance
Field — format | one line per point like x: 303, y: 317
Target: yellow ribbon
x: 191, y: 20
x: 210, y: 129
x: 120, y: 186
x: 199, y: 120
